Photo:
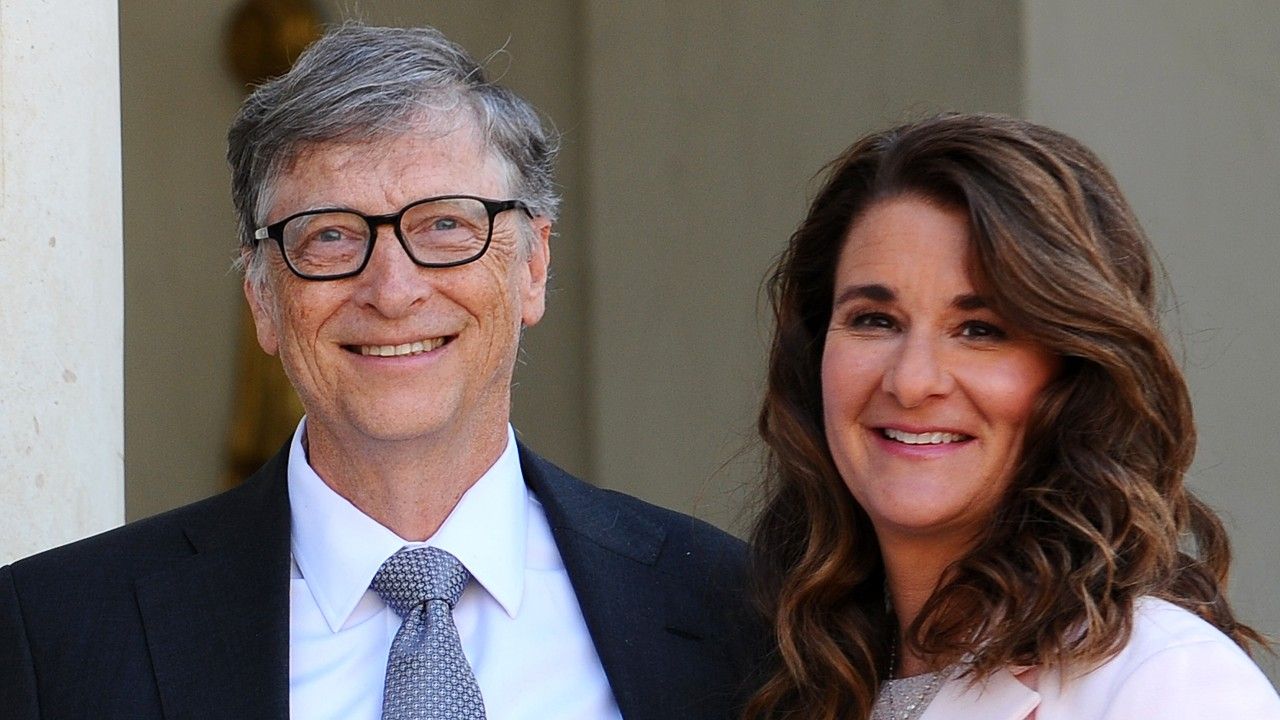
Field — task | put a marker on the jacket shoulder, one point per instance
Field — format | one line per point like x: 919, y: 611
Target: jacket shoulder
x: 1165, y: 634
x: 1175, y: 665
x: 629, y: 525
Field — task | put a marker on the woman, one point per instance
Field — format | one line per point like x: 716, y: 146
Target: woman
x: 977, y: 442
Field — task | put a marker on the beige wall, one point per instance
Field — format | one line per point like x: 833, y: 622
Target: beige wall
x: 1181, y: 101
x: 706, y: 123
x: 180, y: 295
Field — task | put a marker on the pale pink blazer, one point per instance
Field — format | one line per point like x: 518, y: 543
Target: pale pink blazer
x: 1175, y: 667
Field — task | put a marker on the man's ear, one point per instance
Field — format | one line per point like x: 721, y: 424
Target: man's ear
x: 537, y: 264
x: 262, y: 304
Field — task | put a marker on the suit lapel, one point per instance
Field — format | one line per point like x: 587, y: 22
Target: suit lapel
x: 639, y: 621
x: 217, y: 622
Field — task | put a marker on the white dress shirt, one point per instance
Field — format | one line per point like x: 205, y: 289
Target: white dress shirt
x: 519, y: 619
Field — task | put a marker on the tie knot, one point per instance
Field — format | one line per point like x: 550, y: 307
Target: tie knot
x: 412, y: 577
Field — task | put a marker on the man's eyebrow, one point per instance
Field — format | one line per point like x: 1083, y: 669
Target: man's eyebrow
x: 872, y: 291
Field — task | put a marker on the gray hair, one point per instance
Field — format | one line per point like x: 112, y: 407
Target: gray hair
x: 361, y: 83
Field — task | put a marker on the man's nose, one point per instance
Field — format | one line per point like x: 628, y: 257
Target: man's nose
x: 917, y: 371
x: 391, y: 282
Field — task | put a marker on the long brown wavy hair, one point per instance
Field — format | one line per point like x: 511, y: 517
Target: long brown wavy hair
x: 1097, y: 514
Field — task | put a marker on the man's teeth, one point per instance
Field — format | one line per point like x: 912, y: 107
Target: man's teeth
x: 412, y: 348
x: 933, y: 438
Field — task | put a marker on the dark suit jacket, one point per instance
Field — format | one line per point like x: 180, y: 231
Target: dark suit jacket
x: 186, y: 614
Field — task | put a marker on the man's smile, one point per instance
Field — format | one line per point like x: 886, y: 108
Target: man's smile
x: 416, y: 347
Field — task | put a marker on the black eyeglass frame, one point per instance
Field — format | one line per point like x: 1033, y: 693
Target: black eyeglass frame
x: 275, y: 231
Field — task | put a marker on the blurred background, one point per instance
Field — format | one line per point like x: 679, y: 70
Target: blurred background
x: 691, y: 136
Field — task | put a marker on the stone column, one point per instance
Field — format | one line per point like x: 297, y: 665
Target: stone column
x: 61, y: 307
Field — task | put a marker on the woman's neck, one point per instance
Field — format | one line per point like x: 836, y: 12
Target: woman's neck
x: 912, y: 573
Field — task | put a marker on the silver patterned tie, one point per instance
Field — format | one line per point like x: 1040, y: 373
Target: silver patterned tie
x: 428, y: 677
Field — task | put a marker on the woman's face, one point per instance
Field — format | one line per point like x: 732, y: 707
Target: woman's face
x: 926, y: 391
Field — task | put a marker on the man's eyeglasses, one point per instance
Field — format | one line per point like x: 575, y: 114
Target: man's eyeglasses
x: 438, y: 232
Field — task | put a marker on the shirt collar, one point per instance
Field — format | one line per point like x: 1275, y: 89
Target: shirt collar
x: 337, y: 548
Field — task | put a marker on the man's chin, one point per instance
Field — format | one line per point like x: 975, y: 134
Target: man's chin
x: 390, y: 425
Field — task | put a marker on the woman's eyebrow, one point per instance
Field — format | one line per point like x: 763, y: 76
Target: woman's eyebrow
x: 970, y: 301
x: 871, y: 291
x: 881, y: 293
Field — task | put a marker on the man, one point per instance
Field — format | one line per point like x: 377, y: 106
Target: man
x: 403, y: 556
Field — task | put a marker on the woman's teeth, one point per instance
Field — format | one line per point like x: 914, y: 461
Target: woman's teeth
x: 928, y: 438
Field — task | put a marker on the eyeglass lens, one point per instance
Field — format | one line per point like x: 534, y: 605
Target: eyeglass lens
x: 438, y: 232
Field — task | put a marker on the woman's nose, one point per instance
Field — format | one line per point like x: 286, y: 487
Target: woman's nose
x: 917, y: 372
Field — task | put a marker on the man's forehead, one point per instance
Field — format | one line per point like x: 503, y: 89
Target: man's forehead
x: 449, y: 160
x: 452, y: 134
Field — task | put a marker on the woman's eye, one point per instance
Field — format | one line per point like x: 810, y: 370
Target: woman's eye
x: 872, y: 320
x: 978, y: 329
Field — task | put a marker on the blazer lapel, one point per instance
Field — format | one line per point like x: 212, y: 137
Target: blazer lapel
x: 217, y: 622
x: 1000, y: 697
x: 640, y: 628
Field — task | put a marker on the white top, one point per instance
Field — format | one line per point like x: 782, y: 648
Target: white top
x: 519, y: 620
x: 1175, y: 666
